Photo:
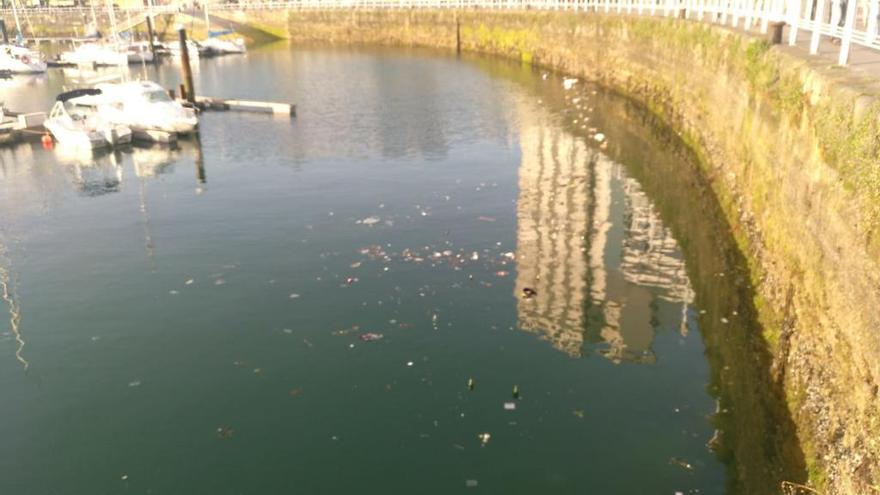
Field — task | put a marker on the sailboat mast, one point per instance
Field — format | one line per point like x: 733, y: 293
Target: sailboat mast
x: 113, y: 34
x: 207, y: 18
x: 15, y: 16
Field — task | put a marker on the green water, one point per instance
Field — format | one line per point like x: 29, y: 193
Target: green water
x: 206, y: 318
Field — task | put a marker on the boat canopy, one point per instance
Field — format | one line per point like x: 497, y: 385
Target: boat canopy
x: 76, y: 93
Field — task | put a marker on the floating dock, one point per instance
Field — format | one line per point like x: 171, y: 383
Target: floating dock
x: 25, y: 126
x: 208, y: 103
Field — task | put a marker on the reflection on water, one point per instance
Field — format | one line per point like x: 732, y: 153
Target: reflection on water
x: 593, y: 248
x: 9, y: 294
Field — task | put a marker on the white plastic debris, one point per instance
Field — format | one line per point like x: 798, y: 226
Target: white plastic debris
x: 599, y: 137
x: 569, y: 83
x: 370, y: 221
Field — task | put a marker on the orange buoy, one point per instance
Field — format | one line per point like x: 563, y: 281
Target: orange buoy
x: 47, y: 141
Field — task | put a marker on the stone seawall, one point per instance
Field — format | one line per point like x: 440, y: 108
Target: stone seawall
x: 790, y: 148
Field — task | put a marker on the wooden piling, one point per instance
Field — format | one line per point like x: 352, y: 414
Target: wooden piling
x: 185, y: 67
x: 151, y: 38
x: 457, y: 34
x: 199, y: 159
x: 3, y: 31
x: 776, y: 32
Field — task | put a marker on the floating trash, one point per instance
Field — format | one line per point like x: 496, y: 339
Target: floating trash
x: 471, y: 384
x: 135, y: 383
x: 579, y: 413
x: 225, y: 432
x: 484, y: 438
x: 287, y: 331
x: 219, y: 281
x: 569, y: 83
x: 681, y: 463
x: 173, y: 292
x: 470, y: 483
x: 370, y: 221
x: 190, y: 281
x: 409, y: 363
x: 124, y: 477
x: 296, y: 392
x: 346, y: 331
x: 599, y: 137
x: 294, y: 296
x: 371, y: 337
x: 516, y: 391
x: 529, y: 293
x: 510, y: 406
x: 485, y: 219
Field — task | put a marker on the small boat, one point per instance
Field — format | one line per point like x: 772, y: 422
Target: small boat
x: 193, y: 49
x: 144, y: 107
x: 8, y: 131
x: 81, y: 126
x: 95, y: 54
x: 219, y: 46
x: 139, y: 52
x: 16, y: 59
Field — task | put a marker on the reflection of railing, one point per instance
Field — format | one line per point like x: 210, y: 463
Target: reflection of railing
x: 9, y: 296
x: 849, y: 21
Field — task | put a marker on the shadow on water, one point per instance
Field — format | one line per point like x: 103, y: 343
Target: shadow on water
x: 755, y: 435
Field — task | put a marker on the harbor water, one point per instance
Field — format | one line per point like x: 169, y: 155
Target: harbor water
x: 444, y: 275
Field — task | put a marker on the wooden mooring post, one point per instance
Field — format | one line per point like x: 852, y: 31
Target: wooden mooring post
x: 187, y: 70
x: 151, y: 38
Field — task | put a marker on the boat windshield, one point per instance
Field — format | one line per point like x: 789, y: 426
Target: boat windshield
x: 157, y: 96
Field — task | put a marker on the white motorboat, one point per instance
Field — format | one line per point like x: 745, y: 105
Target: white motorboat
x: 20, y: 60
x: 95, y: 54
x: 139, y: 52
x: 82, y: 126
x: 193, y: 49
x: 143, y: 106
x: 219, y: 46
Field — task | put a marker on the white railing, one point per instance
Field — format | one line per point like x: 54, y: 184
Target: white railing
x: 845, y: 21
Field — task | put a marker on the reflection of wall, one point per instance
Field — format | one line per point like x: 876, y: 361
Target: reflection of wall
x: 592, y: 246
